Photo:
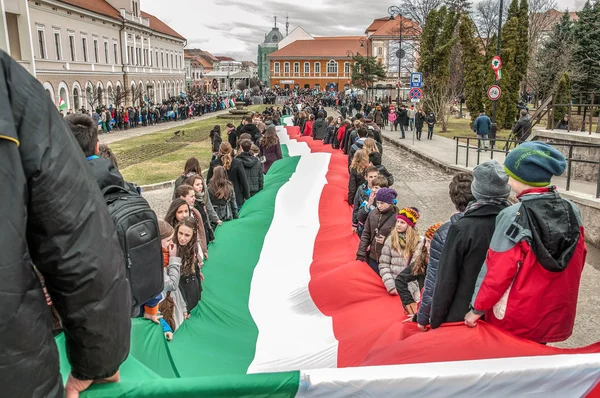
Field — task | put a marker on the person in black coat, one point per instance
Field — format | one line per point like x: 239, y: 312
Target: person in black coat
x: 402, y: 119
x: 232, y: 135
x: 54, y: 217
x: 419, y: 122
x: 467, y: 245
x: 216, y: 140
x: 250, y: 128
x: 319, y: 129
x: 235, y: 173
x: 252, y: 168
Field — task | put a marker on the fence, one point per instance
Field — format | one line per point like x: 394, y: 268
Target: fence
x: 566, y: 149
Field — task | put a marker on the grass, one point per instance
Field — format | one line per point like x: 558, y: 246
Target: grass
x: 461, y: 128
x: 160, y: 156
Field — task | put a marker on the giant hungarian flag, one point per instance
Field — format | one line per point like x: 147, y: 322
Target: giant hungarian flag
x: 286, y: 311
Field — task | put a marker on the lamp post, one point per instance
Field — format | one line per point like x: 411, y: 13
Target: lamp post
x: 395, y: 11
x: 495, y: 103
x: 365, y: 42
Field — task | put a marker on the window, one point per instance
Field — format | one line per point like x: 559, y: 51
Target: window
x: 167, y: 61
x: 296, y: 68
x: 116, y: 51
x: 171, y: 60
x: 72, y: 46
x: 286, y: 68
x: 156, y: 58
x: 379, y: 51
x: 307, y: 68
x: 95, y: 50
x: 151, y: 58
x: 106, y: 57
x: 41, y: 41
x: 332, y: 67
x: 180, y: 62
x: 347, y: 68
x: 276, y: 68
x: 57, y: 45
x: 317, y: 67
x: 162, y: 58
x: 85, y: 50
x: 136, y: 9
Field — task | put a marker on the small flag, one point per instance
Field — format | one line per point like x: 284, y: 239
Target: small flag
x: 62, y: 105
x: 498, y: 74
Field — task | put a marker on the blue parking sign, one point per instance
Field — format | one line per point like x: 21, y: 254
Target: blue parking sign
x: 416, y: 79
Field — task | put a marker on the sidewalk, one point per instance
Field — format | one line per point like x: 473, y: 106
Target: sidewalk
x: 118, y: 135
x: 441, y: 151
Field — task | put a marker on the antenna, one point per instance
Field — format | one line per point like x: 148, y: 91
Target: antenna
x: 275, y: 17
x: 287, y: 24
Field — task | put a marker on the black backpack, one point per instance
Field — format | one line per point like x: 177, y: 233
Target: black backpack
x: 137, y: 229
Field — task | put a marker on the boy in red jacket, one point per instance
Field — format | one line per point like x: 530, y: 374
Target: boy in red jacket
x: 530, y: 280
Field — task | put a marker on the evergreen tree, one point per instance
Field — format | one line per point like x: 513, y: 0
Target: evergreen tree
x: 554, y: 58
x: 365, y: 70
x: 562, y: 97
x: 489, y: 78
x: 473, y: 63
x: 522, y: 55
x: 510, y: 82
x: 586, y: 54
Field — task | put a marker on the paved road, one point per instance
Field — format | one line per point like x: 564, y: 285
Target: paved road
x: 421, y: 185
x: 137, y: 132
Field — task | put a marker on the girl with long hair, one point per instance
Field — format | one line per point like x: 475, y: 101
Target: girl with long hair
x: 203, y: 200
x: 360, y: 162
x: 370, y: 146
x: 178, y: 211
x: 187, y: 193
x: 399, y: 247
x: 192, y: 167
x: 411, y: 280
x: 186, y: 235
x: 222, y: 195
x: 234, y: 169
x: 270, y: 148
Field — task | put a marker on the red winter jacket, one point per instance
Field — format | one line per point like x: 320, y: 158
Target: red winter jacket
x: 341, y: 132
x: 529, y: 283
x: 308, y: 128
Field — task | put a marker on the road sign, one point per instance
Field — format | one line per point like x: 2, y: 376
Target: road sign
x: 414, y: 100
x: 496, y: 63
x: 494, y: 93
x: 416, y: 79
x: 415, y: 93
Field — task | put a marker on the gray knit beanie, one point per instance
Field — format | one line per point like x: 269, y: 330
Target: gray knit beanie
x: 490, y: 181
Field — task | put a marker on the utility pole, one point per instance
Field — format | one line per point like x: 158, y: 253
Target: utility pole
x: 396, y: 11
x: 495, y: 103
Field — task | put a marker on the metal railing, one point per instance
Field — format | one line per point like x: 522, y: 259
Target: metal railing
x: 460, y: 143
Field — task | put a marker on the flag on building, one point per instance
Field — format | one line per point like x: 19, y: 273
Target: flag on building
x: 62, y: 105
x: 286, y: 311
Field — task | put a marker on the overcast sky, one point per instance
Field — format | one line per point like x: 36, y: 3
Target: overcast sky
x: 235, y: 27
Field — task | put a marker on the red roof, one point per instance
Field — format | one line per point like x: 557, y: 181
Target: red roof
x: 392, y: 28
x: 322, y: 47
x: 225, y: 58
x: 102, y: 7
x: 159, y: 26
x: 378, y: 23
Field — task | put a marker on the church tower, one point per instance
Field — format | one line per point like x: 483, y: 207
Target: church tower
x: 271, y: 44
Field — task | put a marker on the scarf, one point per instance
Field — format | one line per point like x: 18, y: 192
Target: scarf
x: 476, y: 204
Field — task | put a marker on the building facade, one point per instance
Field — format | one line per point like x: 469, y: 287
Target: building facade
x: 385, y: 40
x: 322, y: 63
x: 95, y: 52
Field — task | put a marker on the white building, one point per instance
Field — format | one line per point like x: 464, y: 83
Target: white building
x: 86, y: 51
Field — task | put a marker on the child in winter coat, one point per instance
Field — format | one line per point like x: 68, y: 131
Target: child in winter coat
x: 375, y: 160
x: 378, y: 227
x: 405, y: 281
x: 203, y: 201
x: 368, y: 204
x: 222, y: 195
x: 170, y: 320
x: 360, y: 162
x: 399, y: 247
x: 362, y: 194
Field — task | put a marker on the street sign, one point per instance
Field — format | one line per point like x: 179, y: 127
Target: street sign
x: 416, y: 79
x: 414, y: 100
x: 415, y: 93
x: 494, y: 93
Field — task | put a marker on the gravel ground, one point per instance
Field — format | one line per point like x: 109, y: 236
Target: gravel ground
x: 421, y: 185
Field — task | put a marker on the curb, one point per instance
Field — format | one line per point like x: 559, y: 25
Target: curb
x: 160, y: 185
x: 448, y: 168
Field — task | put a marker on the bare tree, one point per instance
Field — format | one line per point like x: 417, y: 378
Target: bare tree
x: 117, y: 97
x: 417, y: 10
x: 540, y: 20
x: 485, y: 17
x: 254, y: 82
x: 137, y: 95
x: 91, y: 96
x: 242, y: 85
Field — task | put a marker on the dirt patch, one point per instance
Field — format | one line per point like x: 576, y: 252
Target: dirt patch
x: 145, y: 152
x: 190, y: 135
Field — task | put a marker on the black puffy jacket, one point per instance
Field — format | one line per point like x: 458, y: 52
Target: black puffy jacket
x: 236, y: 175
x: 319, y: 129
x: 254, y: 172
x: 435, y: 253
x: 53, y: 215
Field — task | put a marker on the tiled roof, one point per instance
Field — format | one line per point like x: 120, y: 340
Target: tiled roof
x: 392, y: 27
x: 336, y: 47
x: 159, y: 26
x: 225, y: 58
x: 203, y: 62
x: 102, y: 7
x: 378, y: 23
x: 99, y: 6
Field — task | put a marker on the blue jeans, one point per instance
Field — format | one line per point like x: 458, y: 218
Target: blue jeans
x: 412, y: 124
x: 402, y: 129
